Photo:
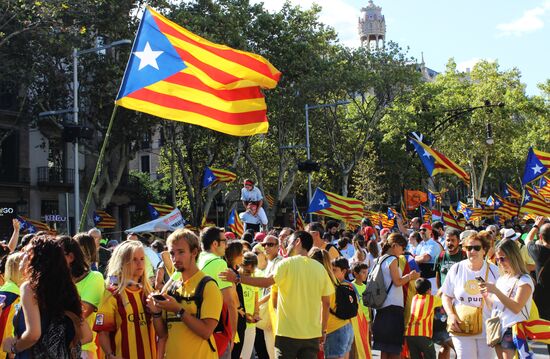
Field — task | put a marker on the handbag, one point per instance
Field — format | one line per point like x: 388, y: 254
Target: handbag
x: 493, y: 325
x: 471, y: 318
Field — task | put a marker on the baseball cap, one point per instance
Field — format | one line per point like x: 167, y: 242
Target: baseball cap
x: 426, y: 225
x: 368, y: 231
x: 259, y: 237
x: 384, y: 231
x: 229, y: 235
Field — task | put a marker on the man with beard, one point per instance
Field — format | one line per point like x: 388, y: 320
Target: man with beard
x: 188, y: 335
x: 453, y: 254
x: 303, y: 300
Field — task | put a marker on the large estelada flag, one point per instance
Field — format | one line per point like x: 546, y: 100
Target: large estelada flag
x: 103, y: 219
x: 177, y: 75
x: 435, y: 162
x: 334, y: 205
x: 536, y: 165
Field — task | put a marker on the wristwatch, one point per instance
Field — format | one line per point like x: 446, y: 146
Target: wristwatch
x: 180, y: 313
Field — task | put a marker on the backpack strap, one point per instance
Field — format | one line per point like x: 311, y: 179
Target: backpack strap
x: 198, y: 298
x: 391, y: 281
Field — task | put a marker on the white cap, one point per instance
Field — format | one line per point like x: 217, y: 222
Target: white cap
x: 509, y: 233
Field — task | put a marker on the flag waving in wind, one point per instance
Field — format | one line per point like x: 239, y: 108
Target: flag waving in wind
x: 157, y: 210
x: 235, y: 223
x: 334, y: 205
x: 436, y: 162
x: 536, y: 165
x: 177, y: 75
x: 213, y: 175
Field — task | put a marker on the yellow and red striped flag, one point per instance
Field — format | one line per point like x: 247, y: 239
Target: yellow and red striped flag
x: 32, y: 226
x: 435, y: 162
x: 157, y: 210
x: 235, y: 223
x: 534, y: 203
x: 505, y: 209
x: 511, y: 192
x: 299, y: 224
x: 213, y: 176
x: 270, y: 200
x: 103, y: 219
x: 177, y: 75
x: 335, y: 206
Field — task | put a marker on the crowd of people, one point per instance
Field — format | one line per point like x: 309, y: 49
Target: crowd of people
x: 275, y: 294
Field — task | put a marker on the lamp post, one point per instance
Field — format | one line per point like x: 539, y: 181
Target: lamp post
x: 76, y: 54
x: 307, y: 108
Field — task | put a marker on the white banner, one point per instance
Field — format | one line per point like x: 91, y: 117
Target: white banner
x: 170, y: 222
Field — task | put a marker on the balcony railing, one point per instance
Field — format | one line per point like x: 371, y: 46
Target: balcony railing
x: 55, y: 176
x: 19, y: 175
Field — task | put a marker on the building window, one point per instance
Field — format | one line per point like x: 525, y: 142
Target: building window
x: 49, y: 207
x: 146, y: 141
x: 145, y: 164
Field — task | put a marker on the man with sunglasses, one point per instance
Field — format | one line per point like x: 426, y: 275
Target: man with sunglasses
x: 426, y: 253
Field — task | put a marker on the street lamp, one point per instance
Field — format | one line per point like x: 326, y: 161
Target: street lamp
x: 307, y: 108
x: 76, y: 54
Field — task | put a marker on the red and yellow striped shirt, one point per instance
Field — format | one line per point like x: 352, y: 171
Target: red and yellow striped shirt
x: 422, y: 315
x: 131, y: 328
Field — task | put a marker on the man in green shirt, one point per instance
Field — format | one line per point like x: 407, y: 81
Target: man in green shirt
x: 211, y: 263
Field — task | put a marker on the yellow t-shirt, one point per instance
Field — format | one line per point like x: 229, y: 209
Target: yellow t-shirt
x: 131, y: 329
x: 301, y: 282
x: 11, y: 291
x: 182, y: 341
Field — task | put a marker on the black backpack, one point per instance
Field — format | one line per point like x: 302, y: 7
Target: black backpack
x: 346, y: 301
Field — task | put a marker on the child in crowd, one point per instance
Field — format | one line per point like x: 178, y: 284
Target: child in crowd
x: 360, y: 272
x: 419, y: 330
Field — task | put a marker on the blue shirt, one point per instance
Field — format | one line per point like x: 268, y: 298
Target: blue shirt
x: 430, y: 247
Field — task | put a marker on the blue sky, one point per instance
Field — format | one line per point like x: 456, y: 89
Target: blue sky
x: 516, y: 33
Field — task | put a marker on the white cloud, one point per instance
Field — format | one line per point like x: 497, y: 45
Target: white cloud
x: 469, y: 64
x: 336, y: 13
x: 531, y: 20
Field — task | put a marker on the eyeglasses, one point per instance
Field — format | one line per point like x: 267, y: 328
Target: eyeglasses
x: 268, y: 244
x: 500, y: 259
x: 475, y: 248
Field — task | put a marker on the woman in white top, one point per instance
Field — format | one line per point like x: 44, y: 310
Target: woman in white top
x: 510, y: 297
x: 389, y: 338
x: 461, y: 287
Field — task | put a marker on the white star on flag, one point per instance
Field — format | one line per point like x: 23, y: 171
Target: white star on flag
x: 322, y: 202
x: 148, y: 57
x: 537, y: 169
x: 426, y: 154
x: 527, y: 198
x: 210, y: 179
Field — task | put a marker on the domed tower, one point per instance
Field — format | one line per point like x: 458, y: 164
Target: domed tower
x: 372, y: 27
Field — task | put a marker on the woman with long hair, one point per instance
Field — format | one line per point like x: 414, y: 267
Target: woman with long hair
x: 49, y: 324
x: 234, y: 258
x: 89, y: 284
x: 510, y: 297
x: 122, y: 318
x: 389, y: 338
x: 89, y: 249
x: 465, y: 306
x: 10, y: 290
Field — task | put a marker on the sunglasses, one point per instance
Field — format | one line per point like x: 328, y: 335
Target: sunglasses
x: 423, y: 230
x: 475, y: 248
x: 269, y: 244
x: 500, y: 259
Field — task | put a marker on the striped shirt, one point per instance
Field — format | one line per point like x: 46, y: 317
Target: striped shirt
x: 422, y: 315
x: 131, y: 329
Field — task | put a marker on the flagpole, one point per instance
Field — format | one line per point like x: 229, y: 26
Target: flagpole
x: 97, y: 169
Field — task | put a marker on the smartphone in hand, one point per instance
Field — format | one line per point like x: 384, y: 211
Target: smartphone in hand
x: 158, y: 297
x: 480, y: 280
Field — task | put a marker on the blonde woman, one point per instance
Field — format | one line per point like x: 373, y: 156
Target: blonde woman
x: 10, y: 291
x: 510, y: 297
x: 122, y: 318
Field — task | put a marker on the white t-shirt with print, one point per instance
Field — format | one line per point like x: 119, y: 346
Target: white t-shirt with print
x: 461, y: 285
x: 509, y: 286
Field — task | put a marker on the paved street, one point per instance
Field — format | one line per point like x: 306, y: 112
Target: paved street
x: 539, y: 349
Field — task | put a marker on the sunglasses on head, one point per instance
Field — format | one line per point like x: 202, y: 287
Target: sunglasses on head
x: 476, y: 248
